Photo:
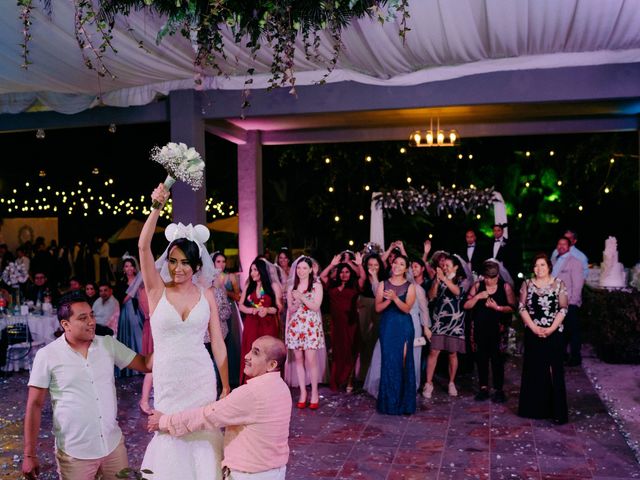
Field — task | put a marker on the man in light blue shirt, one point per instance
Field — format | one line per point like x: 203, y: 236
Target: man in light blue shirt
x: 574, y: 252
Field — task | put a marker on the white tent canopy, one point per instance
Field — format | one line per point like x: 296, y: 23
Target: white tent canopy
x: 448, y: 39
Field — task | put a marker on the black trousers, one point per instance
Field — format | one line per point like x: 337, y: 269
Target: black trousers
x: 487, y: 339
x: 572, y: 337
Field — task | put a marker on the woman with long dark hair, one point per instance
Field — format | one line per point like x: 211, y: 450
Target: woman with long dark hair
x: 183, y: 306
x: 394, y: 299
x: 304, y: 334
x: 260, y: 302
x: 227, y: 292
x: 543, y: 305
x: 343, y: 304
x: 134, y: 309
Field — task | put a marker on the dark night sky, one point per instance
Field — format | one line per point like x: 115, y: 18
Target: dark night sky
x: 68, y: 156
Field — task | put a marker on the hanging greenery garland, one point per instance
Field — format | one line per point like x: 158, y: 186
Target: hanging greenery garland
x: 276, y: 23
x: 444, y: 200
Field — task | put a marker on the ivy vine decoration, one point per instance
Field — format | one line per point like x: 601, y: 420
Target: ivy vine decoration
x: 251, y: 23
x: 443, y: 200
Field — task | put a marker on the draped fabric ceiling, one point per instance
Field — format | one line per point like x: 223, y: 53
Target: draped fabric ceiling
x: 448, y: 39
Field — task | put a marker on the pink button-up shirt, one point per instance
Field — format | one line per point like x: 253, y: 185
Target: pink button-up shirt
x: 256, y: 417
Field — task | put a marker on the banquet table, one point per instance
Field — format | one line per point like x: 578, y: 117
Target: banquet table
x: 42, y: 328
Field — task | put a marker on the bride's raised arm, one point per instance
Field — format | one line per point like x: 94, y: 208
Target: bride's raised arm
x: 152, y: 280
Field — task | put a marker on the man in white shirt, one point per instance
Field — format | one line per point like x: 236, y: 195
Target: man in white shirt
x: 77, y: 371
x: 106, y: 309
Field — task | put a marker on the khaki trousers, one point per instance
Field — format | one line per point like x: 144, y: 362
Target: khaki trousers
x: 70, y: 468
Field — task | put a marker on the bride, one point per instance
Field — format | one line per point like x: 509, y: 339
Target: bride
x: 182, y: 308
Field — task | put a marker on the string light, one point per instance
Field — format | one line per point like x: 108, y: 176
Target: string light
x: 552, y: 153
x: 527, y: 153
x: 351, y: 243
x: 613, y: 160
x: 360, y: 217
x: 527, y: 184
x: 470, y: 157
x: 606, y: 190
x: 403, y: 150
x: 460, y: 156
x: 449, y: 216
x: 519, y: 215
x: 430, y: 235
x: 336, y: 218
x: 368, y: 158
x: 408, y: 179
x: 327, y: 160
x: 330, y: 189
x: 366, y: 187
x: 580, y: 208
x: 478, y: 216
x: 559, y: 183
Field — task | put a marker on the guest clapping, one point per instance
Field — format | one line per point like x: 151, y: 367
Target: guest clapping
x: 394, y: 299
x: 304, y: 334
x: 447, y: 293
x: 491, y: 302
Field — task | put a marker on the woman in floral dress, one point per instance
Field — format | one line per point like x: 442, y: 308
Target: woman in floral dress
x: 447, y: 294
x: 260, y: 303
x: 304, y: 334
x: 543, y: 306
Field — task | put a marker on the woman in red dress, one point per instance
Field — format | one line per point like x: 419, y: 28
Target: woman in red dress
x: 343, y: 303
x: 260, y: 303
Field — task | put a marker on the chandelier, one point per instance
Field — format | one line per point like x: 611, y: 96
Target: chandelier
x: 434, y: 138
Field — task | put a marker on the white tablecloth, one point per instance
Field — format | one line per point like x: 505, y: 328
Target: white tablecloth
x: 42, y: 328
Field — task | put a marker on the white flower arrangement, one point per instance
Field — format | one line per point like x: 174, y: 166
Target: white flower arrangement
x: 15, y: 274
x: 181, y: 162
x: 444, y: 200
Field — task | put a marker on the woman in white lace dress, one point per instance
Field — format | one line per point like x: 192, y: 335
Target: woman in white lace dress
x: 182, y: 309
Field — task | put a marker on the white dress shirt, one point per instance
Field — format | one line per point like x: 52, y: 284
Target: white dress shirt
x: 105, y: 312
x: 83, y: 394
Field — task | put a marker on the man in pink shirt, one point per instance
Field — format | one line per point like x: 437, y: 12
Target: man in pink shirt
x: 256, y: 417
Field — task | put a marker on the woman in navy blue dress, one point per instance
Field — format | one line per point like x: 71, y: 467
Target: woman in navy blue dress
x: 394, y: 299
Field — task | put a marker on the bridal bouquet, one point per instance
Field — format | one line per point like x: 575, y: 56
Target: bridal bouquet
x: 181, y: 162
x: 15, y: 274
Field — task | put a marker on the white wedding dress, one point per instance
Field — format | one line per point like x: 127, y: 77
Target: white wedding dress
x: 183, y: 378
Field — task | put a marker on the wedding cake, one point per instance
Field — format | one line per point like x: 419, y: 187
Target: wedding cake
x: 611, y: 271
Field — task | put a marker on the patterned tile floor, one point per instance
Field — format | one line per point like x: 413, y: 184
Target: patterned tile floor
x: 448, y: 438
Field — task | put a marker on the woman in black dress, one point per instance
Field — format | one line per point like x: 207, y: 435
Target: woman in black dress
x: 543, y: 306
x: 491, y: 301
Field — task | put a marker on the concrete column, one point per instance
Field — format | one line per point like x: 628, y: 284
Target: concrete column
x: 249, y: 201
x: 187, y: 126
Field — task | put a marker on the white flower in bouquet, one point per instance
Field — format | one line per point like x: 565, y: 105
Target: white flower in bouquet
x: 181, y: 162
x: 15, y: 274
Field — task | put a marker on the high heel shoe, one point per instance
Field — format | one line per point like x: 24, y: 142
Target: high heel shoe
x: 302, y: 405
x: 314, y: 406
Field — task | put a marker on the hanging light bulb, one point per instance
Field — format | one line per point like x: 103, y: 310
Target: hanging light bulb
x: 453, y: 136
x: 440, y: 137
x: 417, y: 138
x: 429, y: 137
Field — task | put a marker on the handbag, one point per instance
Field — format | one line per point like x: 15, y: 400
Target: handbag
x: 419, y: 342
